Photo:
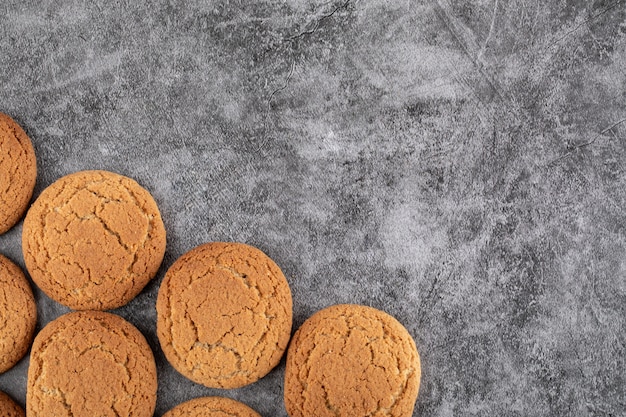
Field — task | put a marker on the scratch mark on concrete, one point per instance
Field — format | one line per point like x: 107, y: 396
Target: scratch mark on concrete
x: 469, y: 50
x: 589, y: 19
x: 428, y: 299
x: 279, y: 89
x: 269, y: 106
x: 319, y: 21
x: 491, y: 27
x: 309, y: 32
x: 591, y: 142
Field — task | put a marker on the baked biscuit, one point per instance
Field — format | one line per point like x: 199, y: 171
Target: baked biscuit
x: 212, y: 407
x: 93, y: 240
x: 18, y: 172
x: 224, y: 314
x: 18, y: 314
x: 8, y: 407
x: 91, y: 363
x: 351, y: 360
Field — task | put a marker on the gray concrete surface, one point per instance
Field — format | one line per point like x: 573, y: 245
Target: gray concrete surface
x: 458, y: 164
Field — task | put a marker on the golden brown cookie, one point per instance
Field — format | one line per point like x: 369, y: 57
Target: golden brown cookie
x: 8, y: 407
x: 91, y: 363
x: 224, y: 314
x: 18, y: 172
x: 212, y: 407
x: 18, y: 314
x: 351, y: 360
x: 93, y: 240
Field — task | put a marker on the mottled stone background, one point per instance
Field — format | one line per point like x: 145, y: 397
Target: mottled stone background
x: 459, y: 164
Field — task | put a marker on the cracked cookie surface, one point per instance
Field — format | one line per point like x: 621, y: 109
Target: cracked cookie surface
x: 93, y: 240
x: 8, y: 407
x: 91, y: 363
x: 351, y: 360
x: 224, y: 314
x: 212, y: 407
x: 18, y: 172
x: 18, y: 314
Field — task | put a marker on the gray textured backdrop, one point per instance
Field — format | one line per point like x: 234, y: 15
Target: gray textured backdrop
x: 459, y: 164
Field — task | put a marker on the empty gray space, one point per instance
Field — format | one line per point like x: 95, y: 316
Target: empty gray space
x: 457, y: 164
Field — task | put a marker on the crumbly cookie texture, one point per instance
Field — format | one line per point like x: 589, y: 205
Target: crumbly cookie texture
x: 18, y: 314
x: 224, y: 314
x: 18, y: 172
x: 8, y: 407
x: 351, y: 360
x: 212, y: 407
x: 93, y: 240
x: 91, y: 363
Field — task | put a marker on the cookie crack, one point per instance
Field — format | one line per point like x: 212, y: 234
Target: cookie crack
x: 60, y: 394
x: 330, y: 407
x: 103, y: 200
x: 15, y: 180
x: 148, y: 235
x: 39, y: 238
x: 210, y: 347
x: 70, y: 262
x: 17, y: 137
x: 12, y: 174
x: 194, y: 327
x: 113, y: 233
x: 242, y: 277
x: 67, y: 201
x: 123, y: 364
x: 168, y: 320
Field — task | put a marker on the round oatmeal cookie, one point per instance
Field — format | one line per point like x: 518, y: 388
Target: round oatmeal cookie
x: 93, y: 240
x: 8, y: 407
x: 351, y: 360
x: 18, y: 172
x: 212, y: 407
x: 91, y: 363
x: 224, y: 314
x: 18, y: 314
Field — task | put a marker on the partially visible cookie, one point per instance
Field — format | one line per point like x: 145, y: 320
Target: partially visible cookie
x: 224, y: 313
x: 18, y: 172
x: 212, y: 407
x: 93, y: 240
x: 8, y: 407
x: 18, y: 314
x: 91, y: 363
x: 351, y: 360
